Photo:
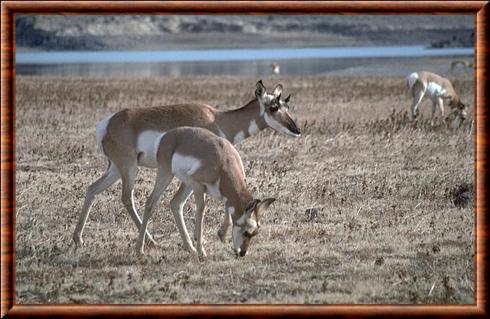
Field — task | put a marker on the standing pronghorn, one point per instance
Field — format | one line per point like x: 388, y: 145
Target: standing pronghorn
x: 438, y: 89
x: 128, y: 138
x: 209, y: 164
x: 275, y: 69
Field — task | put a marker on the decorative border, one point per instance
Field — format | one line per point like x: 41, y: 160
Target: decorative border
x: 10, y: 8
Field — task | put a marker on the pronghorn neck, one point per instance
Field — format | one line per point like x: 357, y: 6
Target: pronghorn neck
x: 239, y: 124
x: 238, y: 205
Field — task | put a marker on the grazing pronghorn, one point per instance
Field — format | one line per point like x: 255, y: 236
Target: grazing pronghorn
x: 127, y: 139
x: 438, y: 89
x: 465, y: 64
x: 209, y: 164
x: 275, y: 69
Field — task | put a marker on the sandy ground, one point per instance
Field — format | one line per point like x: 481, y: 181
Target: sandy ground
x: 386, y: 228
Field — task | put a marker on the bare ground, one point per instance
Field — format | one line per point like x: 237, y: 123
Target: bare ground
x: 386, y: 228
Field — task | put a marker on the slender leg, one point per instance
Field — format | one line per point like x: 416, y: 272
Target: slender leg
x: 418, y: 92
x: 177, y: 206
x: 225, y: 226
x: 440, y: 103
x: 163, y: 179
x: 199, y: 197
x: 434, y: 105
x: 104, y: 182
x: 127, y: 176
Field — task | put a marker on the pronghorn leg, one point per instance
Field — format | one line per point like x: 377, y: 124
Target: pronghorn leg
x: 177, y: 206
x: 434, y: 106
x: 418, y: 91
x: 440, y: 103
x: 127, y: 176
x: 199, y: 197
x: 104, y: 182
x: 225, y: 226
x: 164, y: 177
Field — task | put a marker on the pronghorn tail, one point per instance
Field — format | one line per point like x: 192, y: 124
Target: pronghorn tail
x: 100, y: 132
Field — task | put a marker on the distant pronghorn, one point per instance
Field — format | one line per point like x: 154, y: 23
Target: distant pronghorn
x: 438, y: 89
x: 275, y: 69
x: 209, y: 164
x: 466, y: 64
x: 128, y: 140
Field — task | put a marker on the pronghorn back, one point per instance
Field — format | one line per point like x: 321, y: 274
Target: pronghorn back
x: 426, y: 78
x: 134, y: 132
x: 196, y: 155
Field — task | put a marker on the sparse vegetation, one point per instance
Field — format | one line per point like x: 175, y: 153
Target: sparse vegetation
x: 365, y: 211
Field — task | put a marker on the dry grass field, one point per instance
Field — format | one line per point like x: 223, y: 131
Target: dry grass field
x: 365, y: 208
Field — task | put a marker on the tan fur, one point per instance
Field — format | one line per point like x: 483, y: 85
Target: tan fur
x: 218, y: 162
x: 421, y: 88
x: 119, y: 144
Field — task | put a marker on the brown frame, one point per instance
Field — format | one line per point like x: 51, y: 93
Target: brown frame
x: 8, y: 10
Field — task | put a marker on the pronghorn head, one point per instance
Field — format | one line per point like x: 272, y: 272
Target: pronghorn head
x: 275, y: 111
x: 248, y: 225
x: 460, y: 109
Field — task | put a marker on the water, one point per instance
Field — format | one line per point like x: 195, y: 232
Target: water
x: 223, y: 61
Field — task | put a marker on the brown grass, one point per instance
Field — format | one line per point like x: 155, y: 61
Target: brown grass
x: 385, y: 228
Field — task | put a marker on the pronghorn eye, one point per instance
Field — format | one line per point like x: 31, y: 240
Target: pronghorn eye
x: 250, y: 235
x: 274, y: 106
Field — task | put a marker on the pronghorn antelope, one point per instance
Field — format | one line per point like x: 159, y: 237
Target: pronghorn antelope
x: 466, y: 64
x: 209, y: 164
x: 127, y: 139
x: 438, y: 89
x: 275, y: 69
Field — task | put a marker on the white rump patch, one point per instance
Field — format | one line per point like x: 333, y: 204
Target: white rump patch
x: 213, y: 190
x: 239, y: 137
x: 435, y: 90
x: 101, y: 131
x: 411, y: 79
x: 147, y: 147
x: 184, y: 166
x: 253, y: 128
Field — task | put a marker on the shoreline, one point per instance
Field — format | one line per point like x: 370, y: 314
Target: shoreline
x: 342, y: 67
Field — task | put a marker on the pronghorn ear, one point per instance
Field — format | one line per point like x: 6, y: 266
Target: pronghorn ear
x: 278, y: 90
x: 262, y: 206
x: 287, y: 98
x: 251, y: 205
x: 260, y: 89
